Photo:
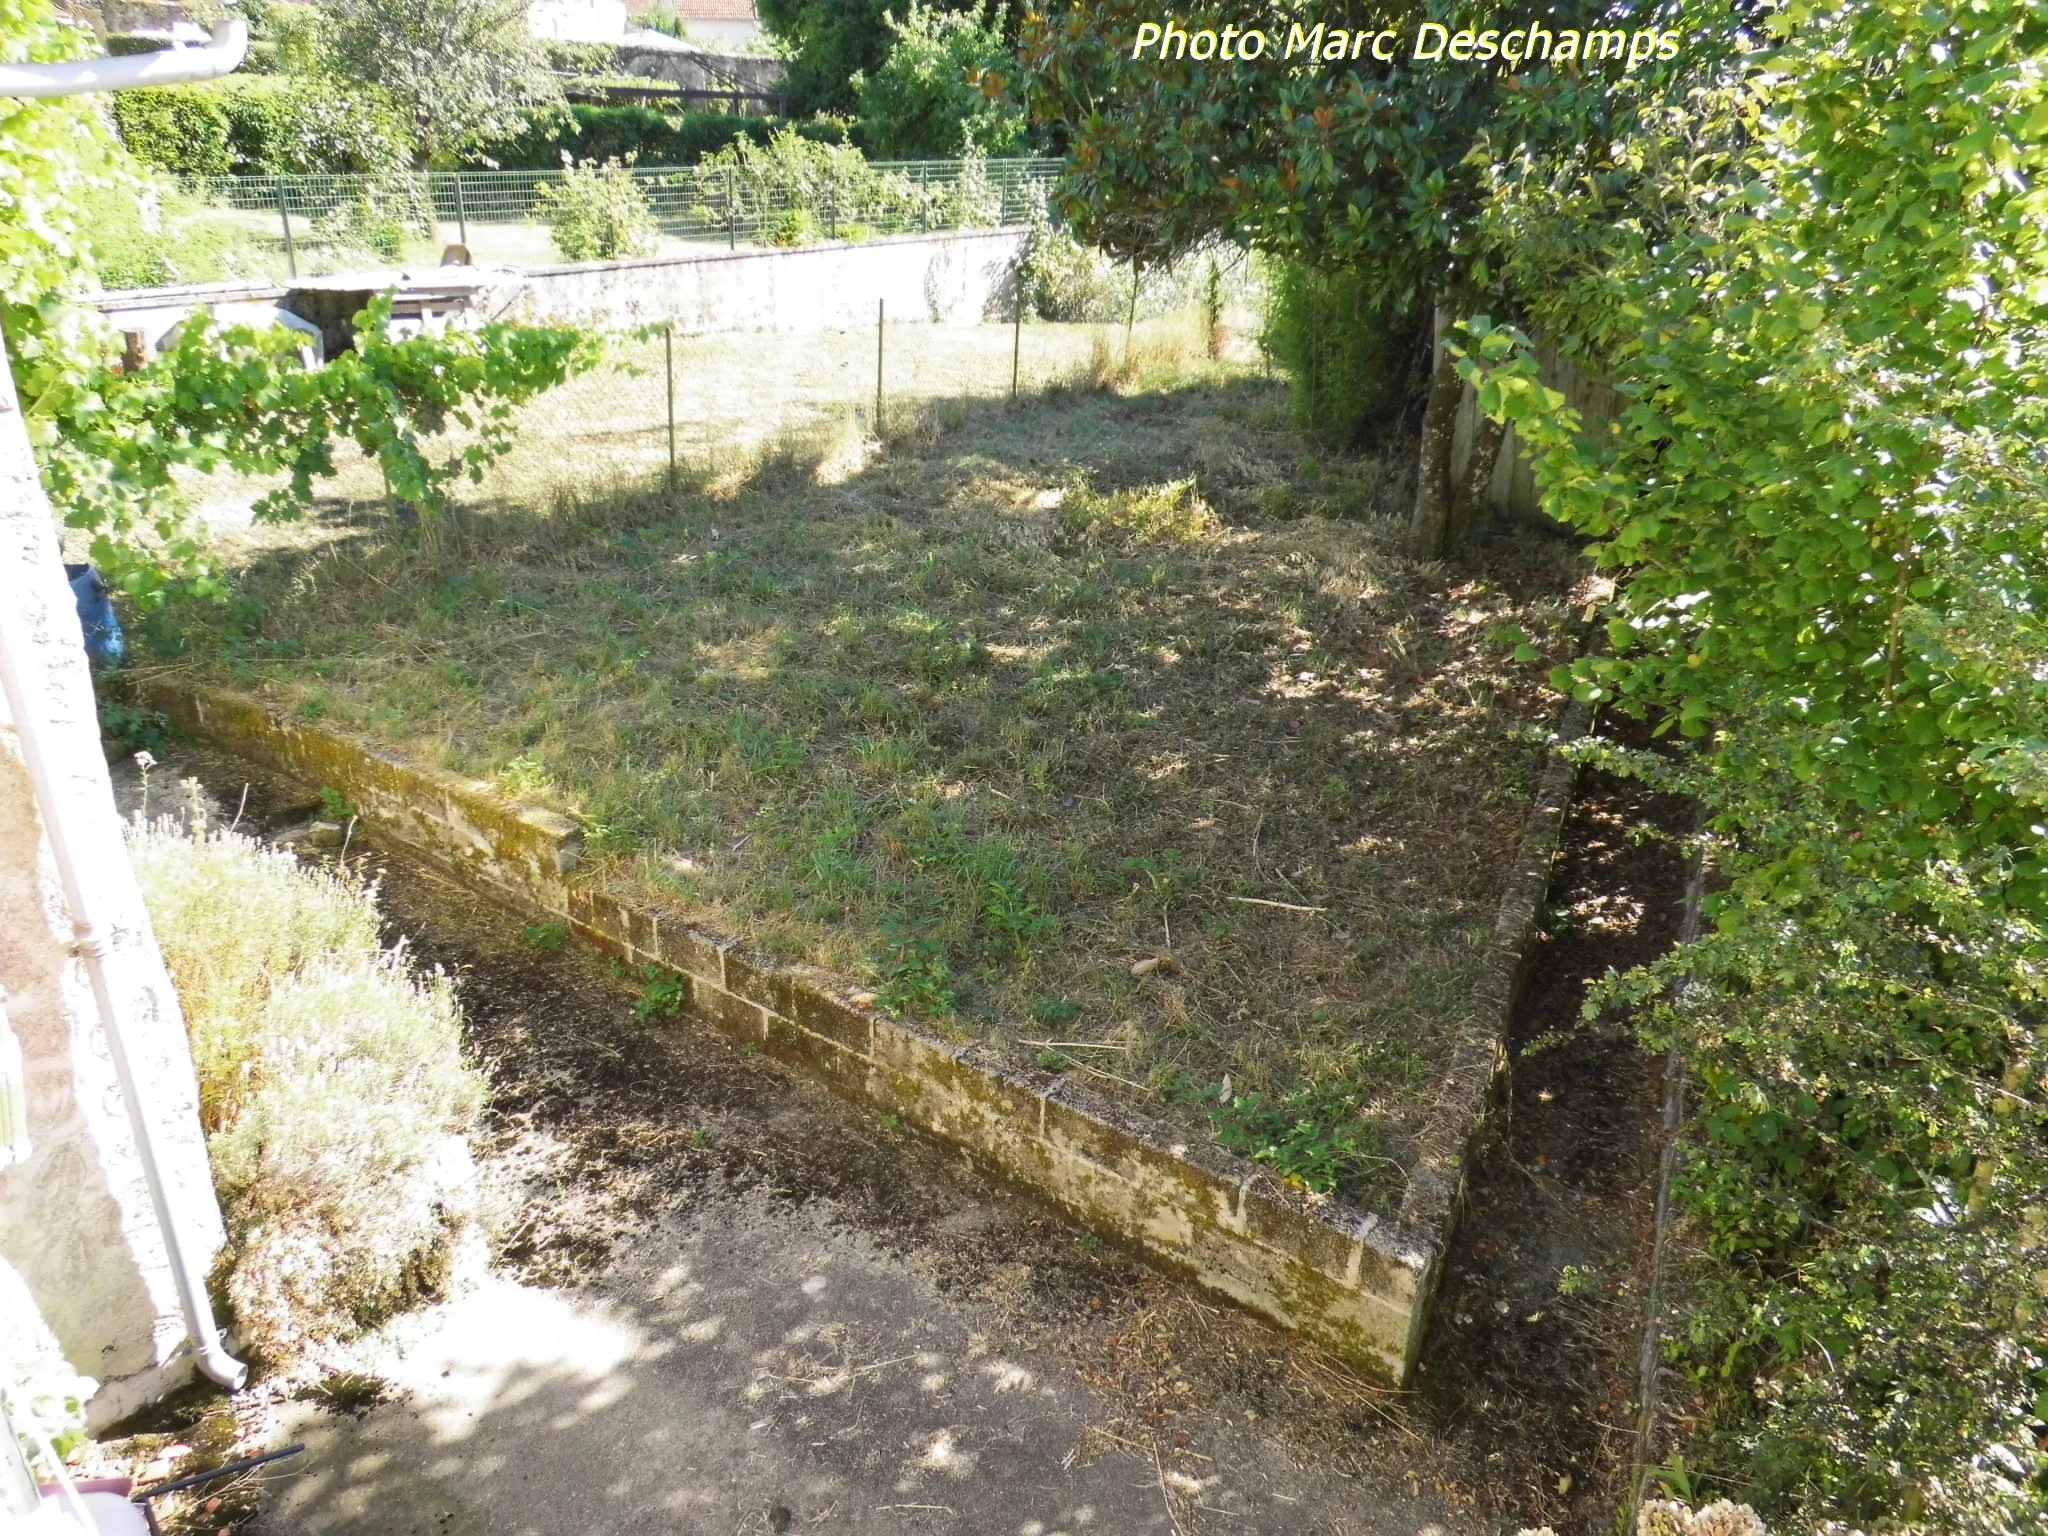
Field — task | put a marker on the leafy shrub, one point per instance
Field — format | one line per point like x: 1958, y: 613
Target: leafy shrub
x: 300, y: 126
x: 793, y: 186
x: 796, y: 227
x: 245, y: 398
x: 331, y: 1081
x: 657, y: 138
x: 928, y: 98
x: 183, y: 130
x: 589, y: 61
x: 1061, y: 279
x: 1347, y: 351
x: 598, y: 213
x: 380, y: 219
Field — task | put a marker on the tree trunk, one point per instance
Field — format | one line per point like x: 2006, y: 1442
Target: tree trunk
x: 1430, y: 529
x: 1470, y: 505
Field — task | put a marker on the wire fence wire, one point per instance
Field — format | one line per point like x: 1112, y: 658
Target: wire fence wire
x: 663, y: 402
x: 664, y: 406
x: 304, y: 225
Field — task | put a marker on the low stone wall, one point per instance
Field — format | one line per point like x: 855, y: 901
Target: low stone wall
x: 1356, y: 1284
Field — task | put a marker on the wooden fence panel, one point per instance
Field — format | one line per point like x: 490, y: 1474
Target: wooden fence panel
x: 1512, y: 491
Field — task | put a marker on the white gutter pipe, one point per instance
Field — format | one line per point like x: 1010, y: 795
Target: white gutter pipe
x: 167, y: 66
x: 176, y: 66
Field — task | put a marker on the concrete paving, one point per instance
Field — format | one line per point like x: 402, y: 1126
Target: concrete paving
x: 757, y: 1368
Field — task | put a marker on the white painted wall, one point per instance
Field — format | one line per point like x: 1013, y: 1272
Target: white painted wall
x: 83, y: 1269
x: 723, y: 36
x: 577, y: 21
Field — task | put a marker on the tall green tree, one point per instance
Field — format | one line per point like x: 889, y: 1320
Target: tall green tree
x: 829, y: 43
x: 463, y: 71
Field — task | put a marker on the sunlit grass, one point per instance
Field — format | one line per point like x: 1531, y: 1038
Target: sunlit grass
x: 1025, y: 699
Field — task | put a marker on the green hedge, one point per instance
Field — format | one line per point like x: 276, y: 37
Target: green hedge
x: 656, y: 138
x: 261, y: 124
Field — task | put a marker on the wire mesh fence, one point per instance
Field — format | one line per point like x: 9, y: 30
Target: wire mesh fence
x: 288, y: 226
x: 665, y: 403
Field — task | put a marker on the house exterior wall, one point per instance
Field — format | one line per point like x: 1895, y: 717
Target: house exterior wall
x: 733, y: 35
x: 83, y: 1267
x: 577, y: 21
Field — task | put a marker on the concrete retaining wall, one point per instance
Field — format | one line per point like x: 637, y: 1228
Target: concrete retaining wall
x: 951, y: 277
x: 960, y: 276
x: 1355, y: 1283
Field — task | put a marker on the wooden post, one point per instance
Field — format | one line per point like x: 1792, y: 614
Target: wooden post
x: 668, y: 354
x: 1016, y: 324
x: 461, y: 213
x: 879, y: 306
x: 284, y: 214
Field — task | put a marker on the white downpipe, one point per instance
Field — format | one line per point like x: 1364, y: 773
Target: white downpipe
x: 90, y: 944
x: 167, y: 66
x: 175, y: 66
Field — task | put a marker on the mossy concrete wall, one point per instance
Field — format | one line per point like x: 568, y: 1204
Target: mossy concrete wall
x: 1357, y: 1283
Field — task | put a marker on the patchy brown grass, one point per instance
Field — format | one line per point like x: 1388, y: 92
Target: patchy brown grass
x: 1111, y: 728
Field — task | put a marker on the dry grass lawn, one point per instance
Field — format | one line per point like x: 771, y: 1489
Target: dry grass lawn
x: 1109, y: 727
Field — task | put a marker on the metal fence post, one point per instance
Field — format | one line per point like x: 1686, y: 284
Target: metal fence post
x: 461, y: 213
x: 668, y: 354
x: 732, y: 214
x: 284, y: 214
x: 879, y: 309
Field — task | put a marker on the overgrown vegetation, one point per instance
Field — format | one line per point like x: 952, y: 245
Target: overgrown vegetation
x: 940, y: 91
x: 263, y: 125
x: 1110, y: 721
x: 1824, y: 507
x: 461, y: 72
x: 332, y: 1087
x: 110, y: 441
x: 1351, y: 351
x: 655, y: 137
x: 803, y: 190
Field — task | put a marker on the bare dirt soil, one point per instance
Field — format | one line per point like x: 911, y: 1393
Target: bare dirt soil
x: 1532, y: 1356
